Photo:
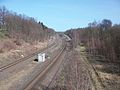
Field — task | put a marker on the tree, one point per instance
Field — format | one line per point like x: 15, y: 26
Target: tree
x: 3, y: 11
x: 23, y: 27
x: 106, y: 24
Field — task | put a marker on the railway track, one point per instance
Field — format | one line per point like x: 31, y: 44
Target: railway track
x: 96, y: 73
x: 53, y: 78
x: 44, y: 70
x: 28, y: 80
x: 23, y: 59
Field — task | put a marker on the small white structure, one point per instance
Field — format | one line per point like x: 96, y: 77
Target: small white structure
x: 41, y: 57
x: 68, y: 38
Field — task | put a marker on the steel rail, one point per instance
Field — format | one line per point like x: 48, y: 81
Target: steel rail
x: 43, y: 71
x: 25, y: 58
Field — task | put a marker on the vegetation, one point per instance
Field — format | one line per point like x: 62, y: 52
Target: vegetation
x: 22, y: 27
x: 100, y: 47
x: 99, y: 38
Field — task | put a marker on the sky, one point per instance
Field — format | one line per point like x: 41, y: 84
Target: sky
x: 62, y: 15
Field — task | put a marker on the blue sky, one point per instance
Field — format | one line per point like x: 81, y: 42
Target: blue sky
x: 65, y: 14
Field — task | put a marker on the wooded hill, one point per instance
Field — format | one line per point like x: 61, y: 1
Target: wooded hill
x: 19, y: 26
x: 99, y: 39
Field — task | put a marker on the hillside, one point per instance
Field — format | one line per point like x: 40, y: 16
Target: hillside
x: 20, y: 34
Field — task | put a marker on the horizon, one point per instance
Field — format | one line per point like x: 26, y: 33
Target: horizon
x: 67, y: 14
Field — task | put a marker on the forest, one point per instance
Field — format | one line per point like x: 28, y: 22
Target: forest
x: 100, y: 38
x: 18, y: 26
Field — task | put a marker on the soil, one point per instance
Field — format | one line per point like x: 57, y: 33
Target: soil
x: 13, y: 51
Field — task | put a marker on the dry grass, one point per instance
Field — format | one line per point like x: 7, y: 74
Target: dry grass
x: 107, y: 71
x: 74, y: 74
x: 7, y: 45
x: 11, y: 49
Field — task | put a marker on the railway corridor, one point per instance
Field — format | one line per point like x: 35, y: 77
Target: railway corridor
x: 16, y: 76
x: 69, y: 73
x: 46, y: 80
x: 65, y: 70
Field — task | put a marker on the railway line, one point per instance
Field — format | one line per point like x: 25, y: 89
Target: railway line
x: 31, y: 75
x: 44, y: 70
x: 25, y: 58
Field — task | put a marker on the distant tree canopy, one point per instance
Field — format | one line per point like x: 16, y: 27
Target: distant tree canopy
x: 99, y: 38
x: 105, y: 24
x: 23, y: 27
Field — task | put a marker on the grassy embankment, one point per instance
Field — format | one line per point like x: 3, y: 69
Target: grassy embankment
x: 103, y: 74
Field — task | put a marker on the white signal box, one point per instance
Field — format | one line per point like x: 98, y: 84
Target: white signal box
x: 41, y: 57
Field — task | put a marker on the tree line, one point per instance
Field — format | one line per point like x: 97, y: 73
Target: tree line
x: 100, y: 38
x: 23, y: 27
